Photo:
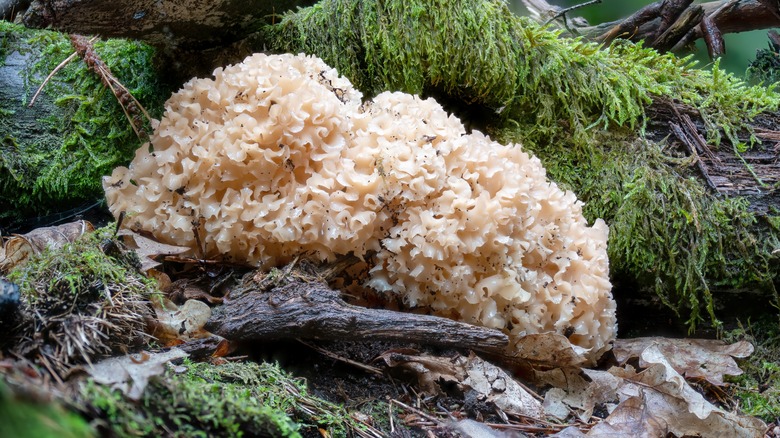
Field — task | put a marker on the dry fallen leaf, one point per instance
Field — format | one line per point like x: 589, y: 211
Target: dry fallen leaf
x: 671, y: 400
x: 176, y: 324
x: 187, y: 289
x: 500, y: 388
x: 17, y: 249
x: 577, y: 391
x: 652, y: 402
x: 706, y: 358
x: 147, y: 249
x: 130, y: 374
x: 630, y: 419
x: 431, y: 371
x: 469, y: 373
x: 474, y: 429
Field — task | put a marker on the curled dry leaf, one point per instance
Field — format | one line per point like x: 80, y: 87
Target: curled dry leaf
x: 17, y: 249
x: 631, y: 419
x: 148, y: 249
x: 130, y: 374
x: 469, y: 373
x: 671, y: 400
x: 186, y: 289
x: 176, y: 324
x: 164, y: 282
x: 475, y: 429
x: 709, y: 359
x: 659, y: 399
x: 431, y: 371
x: 500, y: 388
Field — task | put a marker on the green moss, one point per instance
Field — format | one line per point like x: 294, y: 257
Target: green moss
x: 23, y: 418
x: 758, y: 389
x: 78, y: 272
x: 83, y: 303
x: 765, y: 68
x: 55, y: 153
x: 234, y: 399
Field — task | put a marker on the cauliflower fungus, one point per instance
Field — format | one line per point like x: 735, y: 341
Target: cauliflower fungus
x: 278, y: 156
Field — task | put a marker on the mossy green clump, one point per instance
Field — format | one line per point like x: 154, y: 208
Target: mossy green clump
x: 234, y: 399
x: 582, y: 110
x: 84, y: 304
x: 54, y: 153
x: 757, y: 390
x: 765, y: 68
x: 25, y: 418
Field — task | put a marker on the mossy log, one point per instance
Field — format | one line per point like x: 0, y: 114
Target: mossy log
x: 55, y: 151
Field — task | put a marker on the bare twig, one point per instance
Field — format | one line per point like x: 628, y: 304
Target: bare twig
x: 563, y: 12
x: 728, y: 16
x: 630, y: 25
x: 334, y: 356
x: 696, y: 33
x: 59, y: 67
x: 687, y: 20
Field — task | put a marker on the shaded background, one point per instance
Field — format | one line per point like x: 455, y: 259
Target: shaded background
x: 740, y: 47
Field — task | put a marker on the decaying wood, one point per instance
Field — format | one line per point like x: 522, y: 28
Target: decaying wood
x: 682, y: 24
x: 9, y: 8
x: 754, y: 173
x: 184, y: 24
x: 728, y: 16
x: 192, y: 37
x: 311, y: 310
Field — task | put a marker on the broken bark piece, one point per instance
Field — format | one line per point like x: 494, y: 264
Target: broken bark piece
x: 687, y: 20
x: 314, y: 311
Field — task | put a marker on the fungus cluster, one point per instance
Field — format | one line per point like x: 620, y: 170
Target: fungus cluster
x: 277, y: 157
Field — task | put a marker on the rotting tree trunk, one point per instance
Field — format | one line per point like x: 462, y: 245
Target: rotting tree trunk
x: 685, y: 222
x: 753, y: 174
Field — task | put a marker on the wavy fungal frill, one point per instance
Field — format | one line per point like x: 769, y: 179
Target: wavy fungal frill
x: 278, y: 156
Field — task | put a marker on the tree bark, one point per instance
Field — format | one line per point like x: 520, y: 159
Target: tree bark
x: 180, y: 25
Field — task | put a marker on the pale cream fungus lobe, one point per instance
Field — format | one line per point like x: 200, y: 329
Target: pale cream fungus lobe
x: 278, y: 156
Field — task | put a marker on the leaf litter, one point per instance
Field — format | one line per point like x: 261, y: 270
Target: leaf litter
x: 647, y: 395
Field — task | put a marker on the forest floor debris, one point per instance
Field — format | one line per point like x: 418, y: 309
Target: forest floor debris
x: 352, y: 387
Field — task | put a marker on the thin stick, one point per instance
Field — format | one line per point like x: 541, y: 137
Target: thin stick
x: 335, y: 356
x: 562, y: 12
x: 51, y: 75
